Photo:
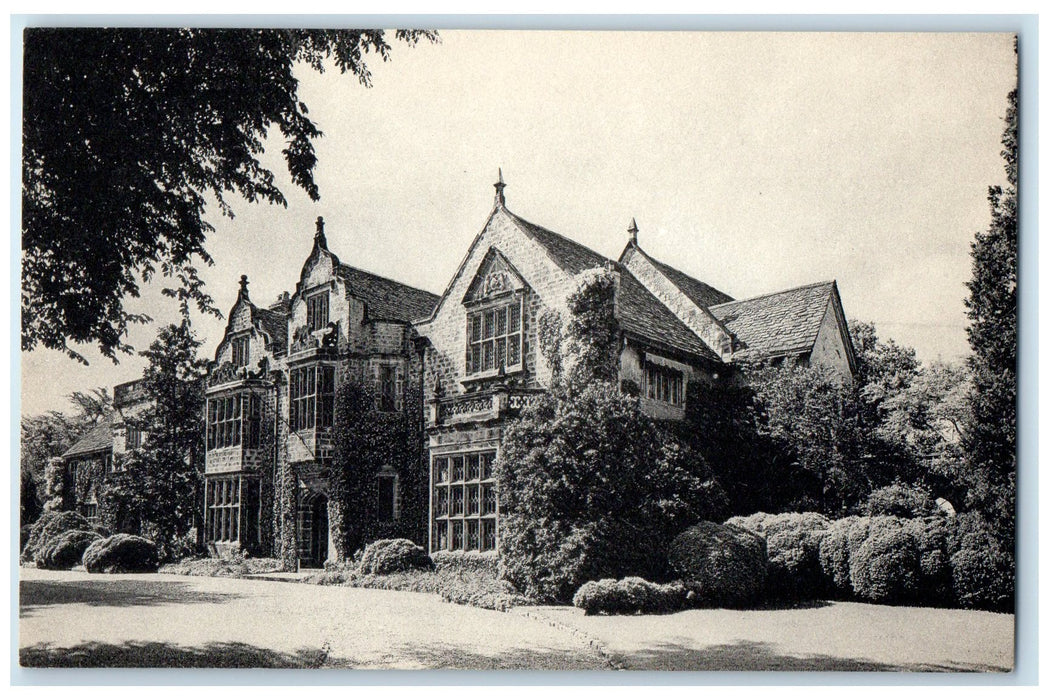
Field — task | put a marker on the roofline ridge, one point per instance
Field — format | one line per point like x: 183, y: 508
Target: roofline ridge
x: 772, y: 294
x: 563, y: 237
x: 677, y: 270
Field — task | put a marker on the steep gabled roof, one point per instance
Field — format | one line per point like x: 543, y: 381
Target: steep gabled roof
x: 98, y: 439
x: 570, y: 256
x: 700, y: 293
x: 780, y: 323
x: 642, y: 315
x: 386, y: 299
x: 274, y: 323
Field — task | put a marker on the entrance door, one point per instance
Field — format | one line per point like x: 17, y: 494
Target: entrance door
x: 313, y: 529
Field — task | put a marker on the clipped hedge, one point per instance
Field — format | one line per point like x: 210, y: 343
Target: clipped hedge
x: 901, y: 501
x: 483, y: 563
x: 627, y: 596
x: 793, y: 542
x: 388, y: 556
x: 50, y: 525
x: 982, y: 573
x: 720, y: 564
x: 886, y: 568
x: 66, y: 550
x: 121, y: 553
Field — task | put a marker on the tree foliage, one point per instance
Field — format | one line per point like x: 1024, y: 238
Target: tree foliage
x: 990, y: 444
x: 158, y: 488
x: 126, y: 135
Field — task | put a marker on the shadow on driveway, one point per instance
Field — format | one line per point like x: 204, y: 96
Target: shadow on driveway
x: 112, y: 593
x: 748, y: 655
x: 162, y: 655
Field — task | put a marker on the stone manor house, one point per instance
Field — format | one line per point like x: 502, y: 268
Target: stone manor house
x: 457, y: 366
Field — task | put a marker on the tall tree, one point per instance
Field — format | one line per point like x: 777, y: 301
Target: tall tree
x: 127, y: 132
x: 158, y: 487
x: 991, y: 442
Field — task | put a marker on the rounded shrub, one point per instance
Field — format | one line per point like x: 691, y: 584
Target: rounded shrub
x: 121, y: 554
x: 65, y: 550
x: 50, y: 525
x: 389, y: 556
x: 627, y: 596
x: 902, y: 501
x: 793, y: 541
x: 834, y: 553
x: 720, y: 564
x: 932, y: 537
x: 982, y: 572
x: 886, y: 568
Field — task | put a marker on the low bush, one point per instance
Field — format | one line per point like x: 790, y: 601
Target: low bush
x: 720, y: 564
x: 483, y: 563
x: 66, y: 550
x: 121, y: 554
x: 901, y: 501
x: 48, y: 526
x: 222, y: 567
x: 389, y: 556
x: 627, y: 596
x: 793, y: 542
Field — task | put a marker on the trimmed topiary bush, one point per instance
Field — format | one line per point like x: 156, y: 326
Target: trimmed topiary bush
x: 47, y: 527
x: 388, y: 556
x: 121, y: 554
x: 65, y: 550
x: 631, y: 595
x: 720, y: 564
x: 467, y: 563
x: 902, y: 501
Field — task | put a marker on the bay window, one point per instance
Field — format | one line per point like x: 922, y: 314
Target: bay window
x: 234, y: 420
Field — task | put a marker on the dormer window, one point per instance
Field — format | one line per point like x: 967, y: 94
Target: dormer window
x: 240, y: 347
x: 494, y: 338
x: 317, y: 311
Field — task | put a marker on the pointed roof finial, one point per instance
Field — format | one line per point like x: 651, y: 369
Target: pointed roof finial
x: 633, y: 231
x: 244, y: 286
x: 500, y: 200
x: 319, y: 236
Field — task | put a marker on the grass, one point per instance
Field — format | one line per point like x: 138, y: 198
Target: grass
x: 464, y: 588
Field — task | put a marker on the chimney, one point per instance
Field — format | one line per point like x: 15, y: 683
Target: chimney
x: 633, y: 231
x: 500, y: 200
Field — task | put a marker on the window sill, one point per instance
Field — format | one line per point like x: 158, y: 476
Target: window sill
x: 491, y: 374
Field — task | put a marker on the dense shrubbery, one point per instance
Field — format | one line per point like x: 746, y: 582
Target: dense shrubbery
x: 65, y: 550
x: 886, y: 567
x: 793, y: 545
x: 902, y: 501
x: 482, y: 563
x: 720, y: 564
x: 629, y: 596
x: 50, y: 525
x: 983, y: 574
x: 121, y: 554
x: 222, y: 567
x: 389, y: 556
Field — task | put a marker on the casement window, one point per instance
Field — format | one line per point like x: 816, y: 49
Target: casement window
x: 132, y: 438
x: 664, y: 384
x: 239, y: 348
x: 494, y: 338
x: 317, y: 311
x: 234, y: 420
x: 464, y: 502
x: 312, y: 392
x: 222, y: 509
x: 386, y: 503
x: 89, y: 510
x: 389, y: 388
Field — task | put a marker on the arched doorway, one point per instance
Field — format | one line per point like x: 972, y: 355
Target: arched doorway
x: 313, y: 529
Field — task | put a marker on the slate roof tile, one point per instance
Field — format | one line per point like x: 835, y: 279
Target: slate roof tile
x: 97, y: 439
x: 777, y: 323
x: 387, y: 299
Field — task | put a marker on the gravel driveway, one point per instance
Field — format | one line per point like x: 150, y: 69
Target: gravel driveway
x: 77, y: 619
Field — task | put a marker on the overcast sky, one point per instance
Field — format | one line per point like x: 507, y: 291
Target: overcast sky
x: 755, y: 162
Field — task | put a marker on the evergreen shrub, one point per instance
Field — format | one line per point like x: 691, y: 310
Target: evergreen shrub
x: 48, y: 526
x: 720, y: 564
x: 121, y: 554
x: 388, y: 556
x: 628, y: 596
x: 793, y: 542
x: 902, y: 501
x: 65, y: 551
